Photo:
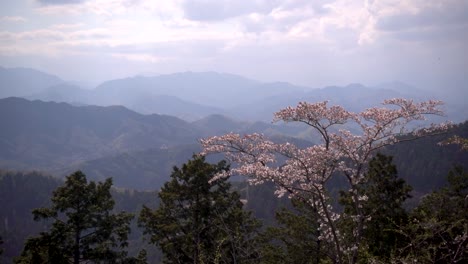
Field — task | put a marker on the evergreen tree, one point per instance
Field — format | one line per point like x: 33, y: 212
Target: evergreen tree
x: 1, y: 243
x: 84, y: 229
x: 199, y: 219
x: 438, y: 230
x: 385, y: 194
x: 295, y: 239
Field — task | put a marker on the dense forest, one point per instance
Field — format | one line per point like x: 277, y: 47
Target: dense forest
x: 287, y: 236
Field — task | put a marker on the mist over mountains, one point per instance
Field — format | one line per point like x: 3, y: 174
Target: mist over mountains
x: 135, y: 129
x: 24, y: 81
x: 192, y: 96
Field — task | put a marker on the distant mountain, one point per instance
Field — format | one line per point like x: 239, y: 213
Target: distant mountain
x: 143, y: 103
x: 404, y: 89
x: 205, y: 88
x: 219, y: 124
x: 354, y: 97
x: 48, y: 135
x: 171, y: 105
x: 454, y: 98
x: 24, y: 81
x: 63, y: 92
x: 195, y: 95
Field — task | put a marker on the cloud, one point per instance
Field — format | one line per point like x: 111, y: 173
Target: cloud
x: 110, y: 7
x: 13, y: 19
x: 408, y: 20
x: 142, y: 57
x: 314, y: 42
x: 60, y: 2
x: 452, y: 13
x: 218, y: 10
x: 66, y: 26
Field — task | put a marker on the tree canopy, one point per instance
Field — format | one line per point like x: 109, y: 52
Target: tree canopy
x: 83, y: 226
x: 199, y: 219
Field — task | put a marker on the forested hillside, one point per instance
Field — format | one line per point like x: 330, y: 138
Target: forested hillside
x: 53, y: 135
x: 20, y: 193
x: 424, y: 163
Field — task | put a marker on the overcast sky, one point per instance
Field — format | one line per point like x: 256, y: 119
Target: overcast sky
x: 307, y: 42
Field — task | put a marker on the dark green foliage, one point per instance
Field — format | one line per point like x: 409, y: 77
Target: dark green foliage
x: 149, y: 169
x: 295, y: 239
x: 83, y: 225
x: 1, y: 243
x: 20, y: 193
x: 439, y: 225
x: 424, y: 164
x: 386, y: 194
x: 201, y: 221
x: 261, y: 200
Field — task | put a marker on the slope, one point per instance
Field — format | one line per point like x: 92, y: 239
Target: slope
x: 42, y: 135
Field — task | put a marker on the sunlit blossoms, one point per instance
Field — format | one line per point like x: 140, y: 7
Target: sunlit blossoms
x: 456, y: 140
x: 303, y: 173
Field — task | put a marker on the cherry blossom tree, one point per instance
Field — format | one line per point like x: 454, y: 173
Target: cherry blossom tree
x: 306, y: 171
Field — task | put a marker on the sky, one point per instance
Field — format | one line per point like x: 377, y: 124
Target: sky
x: 305, y: 42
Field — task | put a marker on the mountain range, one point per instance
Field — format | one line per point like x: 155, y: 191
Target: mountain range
x: 192, y: 96
x: 38, y: 134
x: 24, y: 81
x: 55, y: 136
x: 136, y: 129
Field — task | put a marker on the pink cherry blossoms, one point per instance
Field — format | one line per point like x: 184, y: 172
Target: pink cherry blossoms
x: 303, y: 173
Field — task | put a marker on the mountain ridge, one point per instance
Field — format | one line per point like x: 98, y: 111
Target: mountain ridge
x: 38, y: 133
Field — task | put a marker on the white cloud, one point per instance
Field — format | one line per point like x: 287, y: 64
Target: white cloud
x: 400, y: 18
x: 71, y: 26
x: 60, y: 2
x: 340, y: 39
x: 218, y: 10
x: 113, y: 8
x: 145, y: 58
x: 13, y: 19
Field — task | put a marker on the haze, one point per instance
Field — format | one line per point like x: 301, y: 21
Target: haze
x: 308, y: 43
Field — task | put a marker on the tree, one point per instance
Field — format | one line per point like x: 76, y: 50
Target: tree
x: 307, y: 171
x: 438, y: 230
x: 1, y: 243
x: 294, y: 239
x: 83, y: 226
x: 385, y: 194
x: 200, y: 220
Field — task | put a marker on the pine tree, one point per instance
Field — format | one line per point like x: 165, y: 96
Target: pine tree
x: 83, y: 229
x: 438, y: 230
x: 385, y: 194
x: 199, y: 219
x: 295, y: 239
x: 1, y: 243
